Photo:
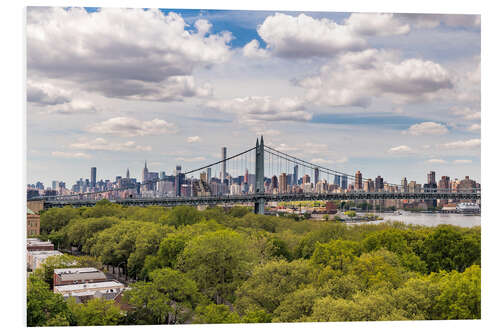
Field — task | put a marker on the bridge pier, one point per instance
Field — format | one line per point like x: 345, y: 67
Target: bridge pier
x: 259, y: 206
x: 259, y: 176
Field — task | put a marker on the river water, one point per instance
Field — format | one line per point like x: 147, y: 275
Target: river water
x: 431, y: 220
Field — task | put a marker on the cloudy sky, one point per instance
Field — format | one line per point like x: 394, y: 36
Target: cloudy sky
x: 388, y: 94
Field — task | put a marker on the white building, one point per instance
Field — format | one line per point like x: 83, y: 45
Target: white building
x: 81, y: 292
x: 37, y: 258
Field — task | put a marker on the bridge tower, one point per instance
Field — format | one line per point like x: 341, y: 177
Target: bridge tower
x: 259, y: 176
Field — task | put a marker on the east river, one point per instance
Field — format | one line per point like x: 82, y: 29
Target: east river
x: 430, y: 220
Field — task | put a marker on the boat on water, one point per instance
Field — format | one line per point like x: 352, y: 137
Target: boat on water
x: 468, y: 208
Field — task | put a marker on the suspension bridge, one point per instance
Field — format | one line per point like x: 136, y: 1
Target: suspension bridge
x: 270, y: 175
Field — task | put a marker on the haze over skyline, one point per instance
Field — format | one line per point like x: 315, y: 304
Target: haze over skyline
x: 388, y: 94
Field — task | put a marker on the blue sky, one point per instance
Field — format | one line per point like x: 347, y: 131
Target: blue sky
x: 389, y: 94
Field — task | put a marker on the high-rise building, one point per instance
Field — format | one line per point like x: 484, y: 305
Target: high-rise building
x: 93, y: 175
x: 444, y: 183
x: 163, y: 175
x: 178, y: 169
x: 336, y: 180
x: 274, y: 182
x: 209, y: 174
x: 306, y: 179
x: 179, y: 181
x: 223, y: 173
x: 128, y: 174
x: 358, y: 181
x: 203, y: 176
x: 344, y: 182
x: 54, y: 184
x: 282, y: 183
x: 431, y: 177
x: 316, y: 176
x: 145, y: 173
x: 404, y: 185
x: 379, y: 184
x: 245, y: 179
x: 295, y: 174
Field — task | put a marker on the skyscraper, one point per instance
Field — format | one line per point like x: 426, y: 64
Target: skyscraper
x: 145, y: 173
x: 295, y: 175
x: 223, y: 157
x: 379, y: 184
x: 404, y: 185
x: 316, y: 176
x: 344, y: 182
x: 209, y: 175
x: 93, y: 175
x: 282, y: 183
x: 431, y: 177
x: 178, y: 169
x: 358, y: 181
x: 336, y: 180
x: 245, y: 179
x: 128, y: 174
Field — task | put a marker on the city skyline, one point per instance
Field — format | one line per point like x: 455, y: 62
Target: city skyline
x: 418, y: 107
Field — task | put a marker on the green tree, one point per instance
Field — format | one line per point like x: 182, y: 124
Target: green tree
x: 337, y: 254
x: 256, y: 314
x: 215, y: 314
x: 324, y: 234
x: 272, y: 282
x: 183, y: 215
x: 44, y: 308
x: 450, y: 249
x: 369, y: 307
x: 54, y: 219
x: 297, y: 306
x: 350, y: 213
x: 80, y: 230
x: 218, y: 261
x: 380, y: 267
x: 460, y: 296
x: 167, y: 299
x: 95, y: 312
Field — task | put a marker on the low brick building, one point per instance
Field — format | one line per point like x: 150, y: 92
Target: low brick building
x: 33, y: 223
x: 67, y: 276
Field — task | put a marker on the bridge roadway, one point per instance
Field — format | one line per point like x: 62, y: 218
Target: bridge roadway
x: 253, y: 198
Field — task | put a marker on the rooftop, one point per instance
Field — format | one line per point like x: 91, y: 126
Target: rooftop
x: 88, y: 286
x: 75, y: 270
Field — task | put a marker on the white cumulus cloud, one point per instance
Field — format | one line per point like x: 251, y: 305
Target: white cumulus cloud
x: 303, y: 36
x: 462, y: 161
x: 128, y: 127
x: 427, y: 128
x: 400, y: 149
x: 70, y: 154
x: 354, y: 78
x: 463, y: 144
x: 264, y: 108
x: 123, y: 53
x: 193, y: 139
x: 102, y: 144
x: 436, y: 161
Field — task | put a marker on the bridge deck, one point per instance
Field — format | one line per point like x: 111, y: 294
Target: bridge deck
x: 252, y: 198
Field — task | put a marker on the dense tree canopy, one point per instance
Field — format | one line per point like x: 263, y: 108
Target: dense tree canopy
x: 225, y: 266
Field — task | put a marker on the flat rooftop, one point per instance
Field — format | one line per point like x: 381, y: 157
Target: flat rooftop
x: 87, y: 286
x: 75, y: 270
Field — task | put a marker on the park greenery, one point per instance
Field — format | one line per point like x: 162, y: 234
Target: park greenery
x: 232, y: 266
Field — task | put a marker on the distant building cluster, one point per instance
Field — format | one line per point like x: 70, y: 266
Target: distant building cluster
x: 222, y: 182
